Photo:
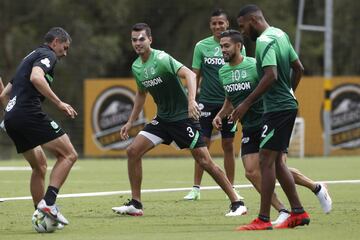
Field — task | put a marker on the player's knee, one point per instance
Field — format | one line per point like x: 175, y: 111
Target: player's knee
x: 131, y: 152
x: 72, y: 156
x: 40, y: 169
x: 252, y: 175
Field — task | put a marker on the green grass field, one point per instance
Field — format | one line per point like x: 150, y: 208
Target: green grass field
x: 167, y: 216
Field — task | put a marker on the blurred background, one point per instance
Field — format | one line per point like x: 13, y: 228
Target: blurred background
x: 101, y: 46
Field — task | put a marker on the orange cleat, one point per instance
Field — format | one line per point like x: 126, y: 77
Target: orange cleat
x: 256, y: 224
x: 295, y: 219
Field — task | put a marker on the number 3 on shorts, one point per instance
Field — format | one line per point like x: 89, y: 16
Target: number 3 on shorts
x: 190, y: 132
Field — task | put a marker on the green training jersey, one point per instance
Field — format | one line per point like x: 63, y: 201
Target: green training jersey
x: 239, y: 81
x: 208, y: 59
x: 158, y: 76
x: 273, y: 48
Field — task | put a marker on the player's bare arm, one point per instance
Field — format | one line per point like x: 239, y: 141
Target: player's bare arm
x: 38, y: 80
x: 298, y: 71
x: 269, y: 77
x: 225, y: 111
x: 4, y: 93
x: 139, y: 102
x: 190, y: 77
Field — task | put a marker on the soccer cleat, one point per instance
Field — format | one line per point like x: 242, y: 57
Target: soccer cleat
x: 194, y: 194
x: 52, y: 212
x: 256, y: 224
x: 281, y: 218
x: 295, y: 219
x: 236, y: 209
x: 132, y: 208
x: 324, y: 199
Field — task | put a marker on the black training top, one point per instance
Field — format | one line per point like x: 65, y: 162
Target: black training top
x: 23, y: 93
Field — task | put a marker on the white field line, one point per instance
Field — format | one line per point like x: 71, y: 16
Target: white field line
x: 95, y: 194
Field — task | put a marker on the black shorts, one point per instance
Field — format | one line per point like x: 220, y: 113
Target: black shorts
x: 31, y: 130
x: 208, y: 113
x: 250, y: 141
x: 277, y: 129
x: 185, y: 133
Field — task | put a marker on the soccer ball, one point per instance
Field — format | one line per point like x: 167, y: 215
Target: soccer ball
x: 43, y: 223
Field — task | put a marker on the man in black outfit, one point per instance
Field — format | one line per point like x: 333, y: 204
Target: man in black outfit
x: 31, y: 129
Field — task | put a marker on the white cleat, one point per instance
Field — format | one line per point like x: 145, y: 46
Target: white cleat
x: 194, y: 194
x: 236, y: 210
x: 281, y: 218
x: 128, y: 209
x: 52, y: 212
x: 324, y: 199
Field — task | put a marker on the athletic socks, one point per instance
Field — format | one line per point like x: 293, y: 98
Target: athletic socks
x: 317, y: 188
x: 50, y: 195
x: 284, y: 210
x: 264, y: 218
x: 298, y: 210
x: 196, y: 186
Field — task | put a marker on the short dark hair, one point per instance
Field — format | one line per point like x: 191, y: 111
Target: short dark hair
x: 234, y: 35
x: 142, y: 26
x: 57, y: 32
x: 218, y: 12
x: 249, y: 8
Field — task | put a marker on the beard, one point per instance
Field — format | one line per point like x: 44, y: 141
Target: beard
x: 229, y: 57
x: 253, y: 34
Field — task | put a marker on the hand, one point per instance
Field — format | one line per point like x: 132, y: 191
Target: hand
x: 194, y: 110
x: 238, y: 113
x: 124, y: 131
x: 69, y: 110
x: 217, y: 123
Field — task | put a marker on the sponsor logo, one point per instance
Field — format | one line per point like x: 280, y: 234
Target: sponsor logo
x: 154, y: 122
x: 10, y: 104
x: 214, y: 61
x: 245, y: 140
x: 345, y: 116
x: 54, y: 125
x: 235, y: 87
x: 110, y: 112
x: 46, y: 62
x: 152, y: 82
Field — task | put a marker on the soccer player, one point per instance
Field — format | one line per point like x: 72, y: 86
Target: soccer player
x: 207, y: 60
x: 159, y: 74
x: 239, y: 78
x: 31, y: 129
x: 275, y: 57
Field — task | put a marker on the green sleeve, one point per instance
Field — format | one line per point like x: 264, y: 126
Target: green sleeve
x: 197, y: 57
x: 267, y: 53
x: 170, y: 63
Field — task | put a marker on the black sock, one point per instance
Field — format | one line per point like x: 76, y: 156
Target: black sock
x: 50, y: 195
x: 237, y: 203
x: 317, y: 189
x: 35, y: 207
x: 264, y: 218
x: 298, y: 210
x: 284, y: 210
x: 136, y: 204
